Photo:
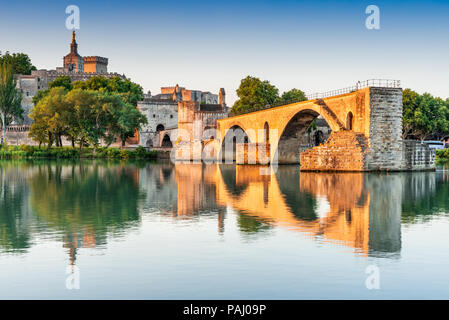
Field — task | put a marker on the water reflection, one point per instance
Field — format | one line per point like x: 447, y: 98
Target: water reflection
x: 82, y: 204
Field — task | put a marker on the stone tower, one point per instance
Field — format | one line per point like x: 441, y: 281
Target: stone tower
x: 221, y: 97
x: 73, y: 62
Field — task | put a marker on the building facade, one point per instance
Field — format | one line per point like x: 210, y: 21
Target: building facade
x: 163, y: 110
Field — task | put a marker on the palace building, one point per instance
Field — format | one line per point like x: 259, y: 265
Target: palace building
x: 74, y: 65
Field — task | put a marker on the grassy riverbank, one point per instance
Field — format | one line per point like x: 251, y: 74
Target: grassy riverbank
x: 33, y: 152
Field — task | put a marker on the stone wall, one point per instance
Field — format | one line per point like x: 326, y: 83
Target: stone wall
x: 417, y: 156
x: 385, y: 130
x: 158, y: 114
x: 344, y: 151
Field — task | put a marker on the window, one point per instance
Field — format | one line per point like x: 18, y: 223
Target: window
x: 154, y: 116
x: 171, y: 116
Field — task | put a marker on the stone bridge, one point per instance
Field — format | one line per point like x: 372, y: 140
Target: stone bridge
x: 366, y: 134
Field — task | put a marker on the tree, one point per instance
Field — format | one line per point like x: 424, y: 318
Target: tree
x: 88, y: 119
x: 293, y: 95
x: 20, y: 62
x: 10, y: 98
x: 254, y: 94
x: 49, y: 117
x: 125, y: 119
x: 424, y: 116
x: 129, y: 91
x: 62, y: 81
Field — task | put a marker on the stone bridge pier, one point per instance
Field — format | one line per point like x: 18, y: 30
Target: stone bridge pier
x: 366, y: 134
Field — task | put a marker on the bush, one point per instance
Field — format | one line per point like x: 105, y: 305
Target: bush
x: 28, y: 152
x: 443, y: 153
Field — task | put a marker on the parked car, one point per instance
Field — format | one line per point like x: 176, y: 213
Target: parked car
x: 435, y: 144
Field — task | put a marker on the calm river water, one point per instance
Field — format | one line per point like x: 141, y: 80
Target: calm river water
x: 159, y: 231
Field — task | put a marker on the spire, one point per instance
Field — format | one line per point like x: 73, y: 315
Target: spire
x: 73, y: 45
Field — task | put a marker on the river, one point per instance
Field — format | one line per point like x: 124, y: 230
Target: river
x: 111, y: 230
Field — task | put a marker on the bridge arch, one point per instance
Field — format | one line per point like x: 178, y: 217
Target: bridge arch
x: 233, y: 136
x: 294, y: 137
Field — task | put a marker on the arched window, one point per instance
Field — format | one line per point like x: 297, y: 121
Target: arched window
x: 349, y: 121
x: 160, y: 128
x: 266, y: 131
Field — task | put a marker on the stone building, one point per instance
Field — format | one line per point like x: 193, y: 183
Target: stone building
x: 162, y: 111
x: 74, y: 65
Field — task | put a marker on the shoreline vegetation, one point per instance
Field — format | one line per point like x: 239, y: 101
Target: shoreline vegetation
x: 442, y: 156
x: 34, y: 152
x: 140, y: 153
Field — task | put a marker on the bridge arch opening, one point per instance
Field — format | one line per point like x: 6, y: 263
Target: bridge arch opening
x: 305, y: 130
x: 349, y: 121
x: 166, y: 142
x: 234, y: 136
x: 266, y: 132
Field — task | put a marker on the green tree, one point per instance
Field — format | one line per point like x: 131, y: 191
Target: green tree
x: 424, y: 116
x: 88, y: 119
x: 129, y: 91
x: 10, y: 98
x: 20, y: 62
x: 125, y: 119
x: 254, y: 94
x: 62, y: 81
x: 293, y: 95
x: 49, y: 117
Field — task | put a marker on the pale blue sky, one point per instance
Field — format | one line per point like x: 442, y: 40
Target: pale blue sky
x: 311, y: 45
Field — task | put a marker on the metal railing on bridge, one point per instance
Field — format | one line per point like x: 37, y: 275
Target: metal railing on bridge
x: 382, y: 83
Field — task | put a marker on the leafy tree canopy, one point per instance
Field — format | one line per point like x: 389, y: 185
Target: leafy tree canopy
x: 129, y: 91
x: 255, y: 94
x: 424, y: 116
x: 20, y: 62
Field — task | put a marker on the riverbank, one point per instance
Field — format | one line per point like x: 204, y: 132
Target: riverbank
x: 33, y: 152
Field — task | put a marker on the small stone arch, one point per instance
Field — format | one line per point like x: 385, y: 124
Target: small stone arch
x: 160, y: 127
x: 166, y: 142
x: 349, y: 121
x: 266, y: 132
x: 234, y: 135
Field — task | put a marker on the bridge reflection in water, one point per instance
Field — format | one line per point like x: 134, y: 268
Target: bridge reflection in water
x: 361, y: 211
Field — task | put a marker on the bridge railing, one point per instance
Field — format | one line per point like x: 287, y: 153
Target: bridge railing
x: 382, y: 83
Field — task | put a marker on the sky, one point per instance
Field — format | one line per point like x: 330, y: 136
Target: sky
x: 315, y: 46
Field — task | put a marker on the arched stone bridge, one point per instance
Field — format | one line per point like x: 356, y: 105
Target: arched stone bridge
x: 366, y: 133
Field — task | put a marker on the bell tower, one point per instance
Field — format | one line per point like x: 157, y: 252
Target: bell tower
x: 73, y: 62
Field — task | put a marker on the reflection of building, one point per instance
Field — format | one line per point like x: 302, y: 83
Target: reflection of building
x: 173, y: 108
x: 74, y: 66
